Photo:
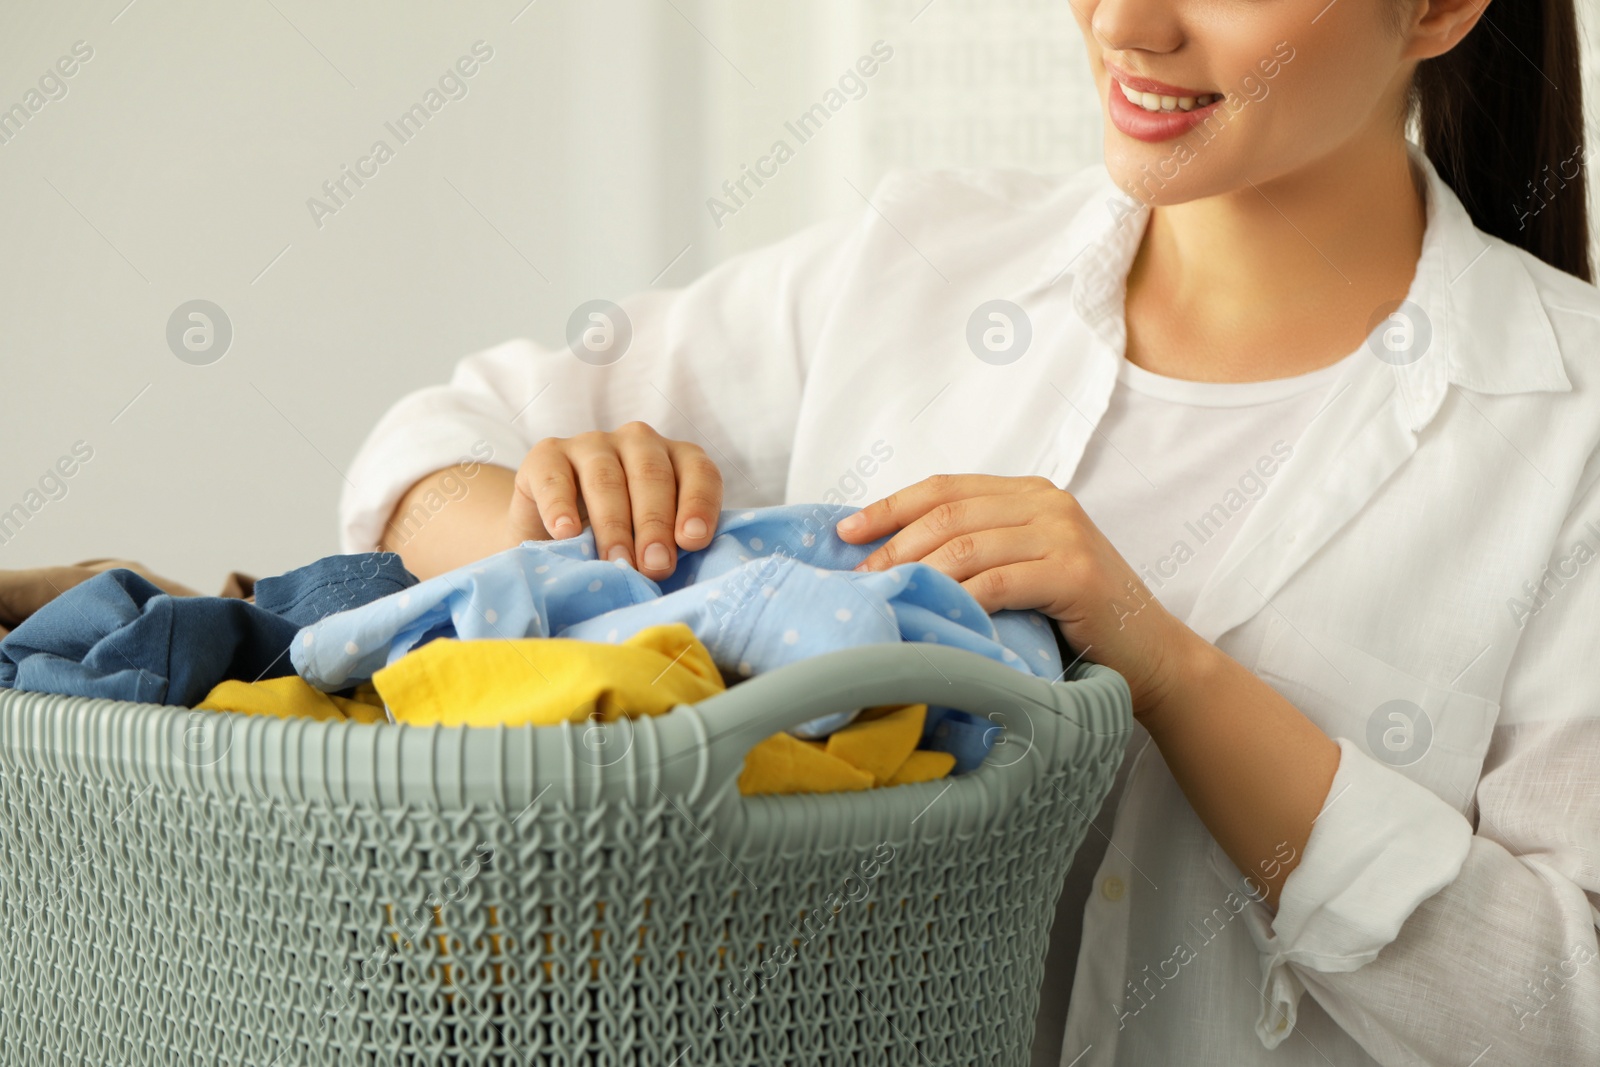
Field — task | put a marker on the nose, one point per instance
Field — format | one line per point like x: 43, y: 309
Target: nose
x: 1125, y: 26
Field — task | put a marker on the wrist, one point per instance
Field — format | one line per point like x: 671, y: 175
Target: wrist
x: 1191, y: 667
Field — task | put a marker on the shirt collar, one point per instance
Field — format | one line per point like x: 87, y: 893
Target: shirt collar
x: 1475, y: 317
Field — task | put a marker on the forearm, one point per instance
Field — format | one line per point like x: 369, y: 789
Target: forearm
x: 447, y: 520
x: 1254, y: 768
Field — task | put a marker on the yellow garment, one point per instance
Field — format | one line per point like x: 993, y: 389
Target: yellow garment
x: 880, y: 745
x: 785, y: 764
x: 293, y: 698
x: 923, y: 766
x: 541, y: 681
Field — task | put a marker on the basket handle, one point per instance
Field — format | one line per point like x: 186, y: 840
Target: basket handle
x: 870, y: 675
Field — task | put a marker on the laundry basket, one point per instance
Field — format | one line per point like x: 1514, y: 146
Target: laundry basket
x: 205, y: 888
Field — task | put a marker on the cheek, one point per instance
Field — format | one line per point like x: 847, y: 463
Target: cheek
x: 1334, y: 86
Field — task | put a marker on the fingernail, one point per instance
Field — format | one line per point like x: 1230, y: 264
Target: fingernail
x: 655, y: 556
x: 564, y: 523
x: 694, y: 529
x: 618, y: 554
x: 851, y: 523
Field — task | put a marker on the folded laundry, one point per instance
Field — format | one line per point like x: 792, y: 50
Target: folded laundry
x: 773, y: 587
x: 121, y: 637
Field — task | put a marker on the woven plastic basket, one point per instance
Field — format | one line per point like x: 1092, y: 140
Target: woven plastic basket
x: 202, y: 888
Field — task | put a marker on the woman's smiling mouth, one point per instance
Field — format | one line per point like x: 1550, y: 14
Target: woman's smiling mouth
x: 1157, y: 103
x: 1151, y: 111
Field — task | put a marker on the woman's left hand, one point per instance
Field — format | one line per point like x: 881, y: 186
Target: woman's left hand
x: 1026, y: 543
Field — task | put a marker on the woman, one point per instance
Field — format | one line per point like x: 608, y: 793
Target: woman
x: 1288, y: 421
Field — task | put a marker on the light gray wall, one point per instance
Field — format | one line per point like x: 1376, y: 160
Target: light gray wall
x: 179, y: 162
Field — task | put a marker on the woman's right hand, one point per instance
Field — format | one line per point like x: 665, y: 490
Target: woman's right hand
x: 645, y: 496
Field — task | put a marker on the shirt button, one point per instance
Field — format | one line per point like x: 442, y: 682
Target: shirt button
x: 1112, y: 888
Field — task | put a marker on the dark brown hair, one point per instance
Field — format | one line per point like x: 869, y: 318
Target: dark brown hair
x: 1501, y: 118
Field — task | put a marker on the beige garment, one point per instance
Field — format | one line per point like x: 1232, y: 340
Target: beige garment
x: 24, y: 592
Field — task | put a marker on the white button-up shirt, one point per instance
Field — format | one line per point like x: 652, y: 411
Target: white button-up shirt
x: 1422, y: 581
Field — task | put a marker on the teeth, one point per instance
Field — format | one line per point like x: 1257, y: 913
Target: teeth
x: 1154, y: 102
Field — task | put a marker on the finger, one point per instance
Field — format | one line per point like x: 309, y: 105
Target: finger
x: 899, y: 509
x: 946, y: 520
x: 968, y: 555
x: 604, y: 485
x: 699, y: 494
x: 544, y: 497
x: 1013, y: 586
x: 653, y: 494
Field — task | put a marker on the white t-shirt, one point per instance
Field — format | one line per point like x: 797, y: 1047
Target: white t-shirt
x: 1168, y: 477
x: 1175, y: 465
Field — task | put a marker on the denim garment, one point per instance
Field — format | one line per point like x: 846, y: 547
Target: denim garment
x: 331, y: 585
x: 118, y: 636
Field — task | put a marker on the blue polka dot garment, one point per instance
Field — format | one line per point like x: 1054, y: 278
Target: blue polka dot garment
x: 774, y: 586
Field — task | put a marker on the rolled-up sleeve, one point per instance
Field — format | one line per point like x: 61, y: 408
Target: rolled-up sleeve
x: 1381, y: 846
x: 1433, y: 940
x: 720, y: 362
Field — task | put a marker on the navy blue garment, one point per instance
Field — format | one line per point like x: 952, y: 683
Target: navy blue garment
x: 311, y: 593
x: 119, y: 637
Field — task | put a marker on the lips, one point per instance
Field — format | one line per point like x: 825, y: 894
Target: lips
x: 1150, y: 85
x: 1149, y: 110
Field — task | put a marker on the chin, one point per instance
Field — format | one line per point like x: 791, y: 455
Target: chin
x: 1151, y: 177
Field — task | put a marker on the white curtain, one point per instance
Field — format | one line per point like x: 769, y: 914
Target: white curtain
x: 970, y: 83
